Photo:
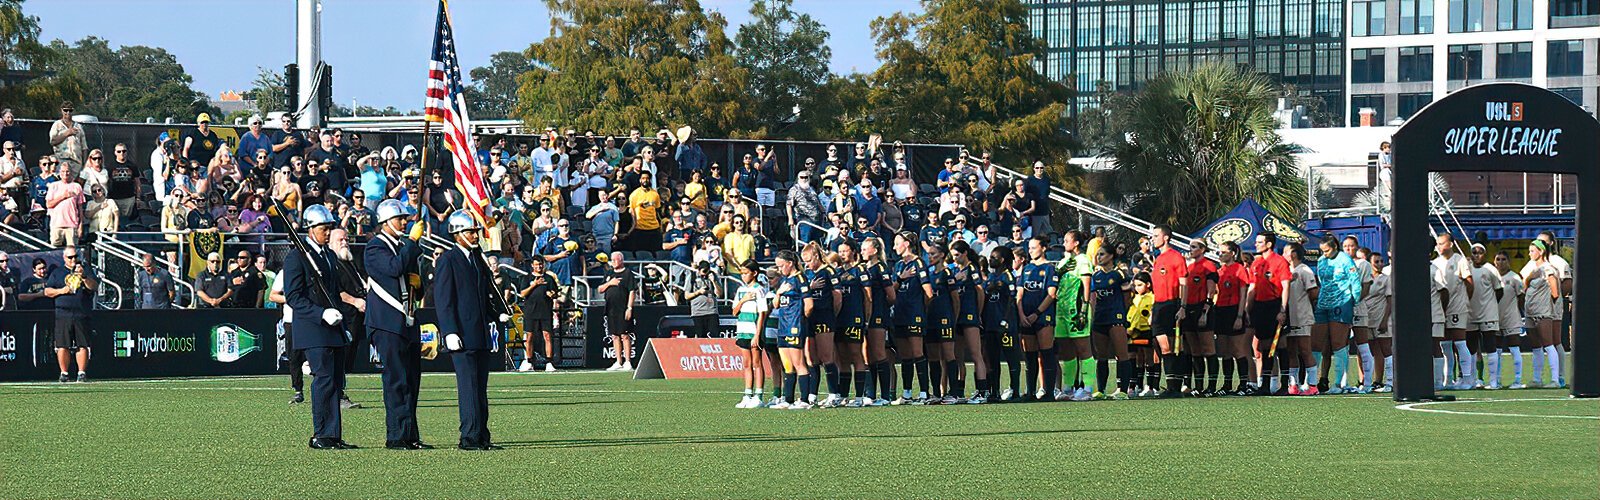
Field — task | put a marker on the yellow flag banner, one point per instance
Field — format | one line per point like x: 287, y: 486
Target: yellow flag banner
x: 202, y: 243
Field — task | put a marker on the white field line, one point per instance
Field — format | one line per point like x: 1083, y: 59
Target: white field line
x: 1420, y: 408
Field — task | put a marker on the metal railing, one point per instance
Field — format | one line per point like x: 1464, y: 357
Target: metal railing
x: 1096, y: 209
x: 134, y: 257
x: 27, y: 241
x: 115, y: 302
x: 797, y: 243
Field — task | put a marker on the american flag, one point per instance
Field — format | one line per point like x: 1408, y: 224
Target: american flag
x: 447, y: 106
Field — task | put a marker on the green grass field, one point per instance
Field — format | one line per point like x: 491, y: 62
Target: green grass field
x: 605, y: 435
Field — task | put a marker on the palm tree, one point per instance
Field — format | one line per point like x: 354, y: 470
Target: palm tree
x: 1200, y: 141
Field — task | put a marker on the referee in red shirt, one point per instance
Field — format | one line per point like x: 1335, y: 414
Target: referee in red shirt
x: 1265, y: 304
x: 1199, y: 285
x: 1168, y: 274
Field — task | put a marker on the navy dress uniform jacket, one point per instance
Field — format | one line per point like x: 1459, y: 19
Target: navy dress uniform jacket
x: 461, y: 288
x: 387, y: 264
x: 308, y: 301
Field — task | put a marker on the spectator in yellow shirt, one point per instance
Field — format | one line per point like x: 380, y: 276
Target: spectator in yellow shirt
x: 738, y: 246
x: 644, y: 204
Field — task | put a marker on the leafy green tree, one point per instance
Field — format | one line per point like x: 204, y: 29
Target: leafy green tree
x: 787, y: 56
x: 269, y: 90
x: 614, y: 64
x: 25, y: 85
x: 964, y: 71
x: 1201, y: 141
x: 364, y: 110
x: 493, y: 93
x: 129, y: 83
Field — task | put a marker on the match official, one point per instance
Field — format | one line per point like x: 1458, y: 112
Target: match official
x: 317, y: 321
x: 389, y: 256
x: 461, y: 287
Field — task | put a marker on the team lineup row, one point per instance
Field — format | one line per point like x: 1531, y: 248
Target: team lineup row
x: 1268, y: 318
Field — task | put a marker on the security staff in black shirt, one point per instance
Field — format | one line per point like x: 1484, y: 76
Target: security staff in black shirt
x: 462, y: 294
x: 309, y: 281
x: 389, y: 257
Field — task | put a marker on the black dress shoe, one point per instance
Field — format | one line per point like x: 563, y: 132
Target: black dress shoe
x: 345, y: 446
x: 469, y: 447
x: 397, y: 445
x: 491, y: 447
x: 419, y: 445
x: 324, y: 444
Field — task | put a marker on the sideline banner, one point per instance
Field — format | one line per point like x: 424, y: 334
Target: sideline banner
x: 677, y: 358
x: 129, y: 344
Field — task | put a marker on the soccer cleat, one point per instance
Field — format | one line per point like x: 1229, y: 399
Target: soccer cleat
x: 801, y: 405
x: 1294, y: 390
x: 297, y: 398
x: 1491, y: 387
x: 1119, y: 396
x: 743, y: 403
x: 781, y: 405
x: 852, y: 403
x: 899, y: 401
x: 832, y: 401
x: 922, y: 400
x: 1081, y: 395
x: 1310, y: 391
x: 525, y: 366
x: 771, y: 402
x: 1335, y: 390
x: 1147, y: 392
x: 1099, y: 396
x: 1008, y: 395
x: 1517, y: 386
x: 949, y: 400
x: 1385, y: 388
x: 83, y: 377
x: 549, y: 367
x: 1039, y: 394
x: 978, y: 400
x: 880, y: 402
x: 1062, y: 395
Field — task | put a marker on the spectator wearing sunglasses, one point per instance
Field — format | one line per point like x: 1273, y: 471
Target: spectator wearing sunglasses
x: 256, y: 140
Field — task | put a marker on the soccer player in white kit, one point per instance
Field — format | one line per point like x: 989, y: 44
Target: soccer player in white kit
x: 1439, y: 296
x: 1457, y: 277
x: 1483, y: 313
x: 1510, y: 324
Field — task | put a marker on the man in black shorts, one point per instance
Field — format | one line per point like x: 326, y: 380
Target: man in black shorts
x: 538, y: 316
x: 1265, y: 301
x: 72, y: 286
x: 620, y: 289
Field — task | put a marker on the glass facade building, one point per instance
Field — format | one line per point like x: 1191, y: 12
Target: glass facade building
x: 1405, y: 54
x: 1121, y: 44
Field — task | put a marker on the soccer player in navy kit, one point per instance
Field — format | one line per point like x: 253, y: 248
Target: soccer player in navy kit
x: 1108, y: 298
x: 940, y: 334
x: 1036, y: 301
x: 819, y: 279
x: 1000, y: 323
x: 970, y: 300
x: 790, y: 304
x: 851, y: 306
x: 880, y: 290
x: 910, y: 307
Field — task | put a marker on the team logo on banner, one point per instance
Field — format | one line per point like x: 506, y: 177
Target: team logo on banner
x: 1284, y: 230
x: 430, y: 340
x: 229, y: 342
x: 1228, y: 231
x: 130, y: 344
x: 202, y: 243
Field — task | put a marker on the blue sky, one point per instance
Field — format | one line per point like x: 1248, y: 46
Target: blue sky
x: 378, y: 48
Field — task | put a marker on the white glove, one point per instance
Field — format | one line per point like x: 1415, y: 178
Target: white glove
x: 452, y: 342
x: 332, y: 317
x: 504, y: 318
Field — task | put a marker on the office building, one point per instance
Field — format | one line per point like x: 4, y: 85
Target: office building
x: 1405, y: 54
x: 1121, y: 44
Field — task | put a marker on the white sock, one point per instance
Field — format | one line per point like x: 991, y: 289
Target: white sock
x: 1438, y: 372
x: 1538, y: 365
x: 1449, y: 360
x: 1464, y: 361
x: 1492, y: 364
x: 1365, y: 353
x: 1554, y: 353
x: 1294, y: 376
x: 1516, y: 361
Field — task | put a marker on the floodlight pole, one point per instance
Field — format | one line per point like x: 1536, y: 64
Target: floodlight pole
x: 308, y: 55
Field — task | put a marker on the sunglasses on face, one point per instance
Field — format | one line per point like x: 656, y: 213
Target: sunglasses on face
x: 119, y: 151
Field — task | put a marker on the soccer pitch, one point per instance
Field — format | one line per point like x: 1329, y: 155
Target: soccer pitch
x: 603, y: 435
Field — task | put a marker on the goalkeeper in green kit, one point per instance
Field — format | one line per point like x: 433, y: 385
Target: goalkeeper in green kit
x: 1072, y: 321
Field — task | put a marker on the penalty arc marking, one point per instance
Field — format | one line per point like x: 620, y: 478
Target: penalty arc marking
x: 1419, y: 407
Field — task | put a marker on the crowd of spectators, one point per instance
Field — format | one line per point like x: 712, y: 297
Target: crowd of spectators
x: 565, y: 198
